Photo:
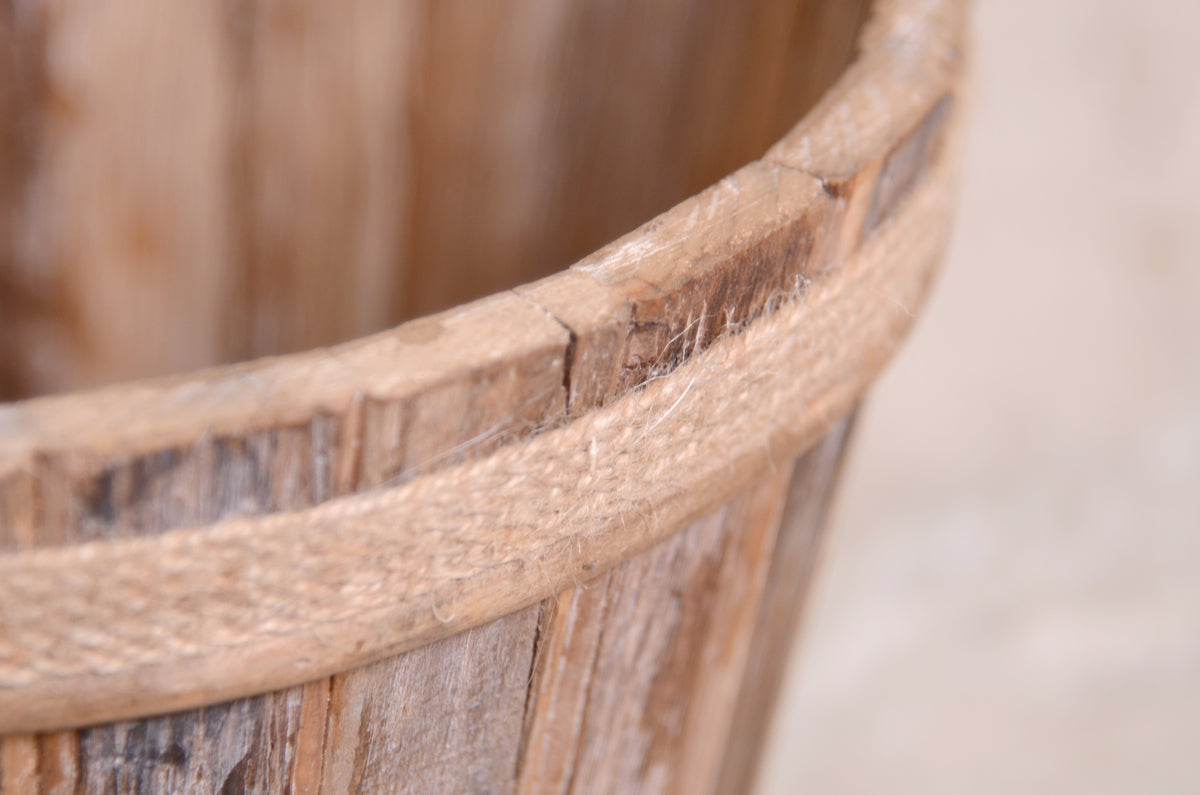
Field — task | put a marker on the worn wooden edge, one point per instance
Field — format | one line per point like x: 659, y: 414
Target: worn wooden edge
x: 908, y: 64
x: 144, y: 625
x: 816, y: 217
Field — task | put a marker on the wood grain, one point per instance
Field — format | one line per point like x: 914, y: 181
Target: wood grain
x: 444, y: 551
x: 320, y: 161
x: 793, y: 559
x: 315, y: 174
x: 710, y: 264
x: 663, y: 293
x: 27, y: 302
x: 637, y: 672
x: 443, y: 718
x: 129, y: 227
x: 136, y: 460
x: 319, y: 187
x: 655, y: 652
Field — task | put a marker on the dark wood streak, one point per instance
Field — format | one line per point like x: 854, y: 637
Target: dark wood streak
x: 239, y: 42
x: 686, y: 285
x: 906, y: 164
x: 671, y: 325
x: 242, y: 746
x: 280, y: 468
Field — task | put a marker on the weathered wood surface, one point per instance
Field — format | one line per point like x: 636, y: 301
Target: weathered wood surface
x: 632, y: 681
x: 281, y: 435
x: 638, y: 671
x: 793, y: 559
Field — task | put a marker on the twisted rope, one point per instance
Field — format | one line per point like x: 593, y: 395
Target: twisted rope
x: 106, y: 630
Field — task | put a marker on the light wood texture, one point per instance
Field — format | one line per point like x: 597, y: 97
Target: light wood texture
x: 123, y: 232
x: 653, y: 669
x: 315, y: 173
x: 317, y: 189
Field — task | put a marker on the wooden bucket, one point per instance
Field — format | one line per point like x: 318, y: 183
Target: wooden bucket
x: 551, y: 539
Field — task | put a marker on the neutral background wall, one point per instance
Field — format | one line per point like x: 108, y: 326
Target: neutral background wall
x: 1010, y: 598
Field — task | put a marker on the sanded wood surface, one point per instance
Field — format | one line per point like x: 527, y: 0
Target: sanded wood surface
x: 654, y: 667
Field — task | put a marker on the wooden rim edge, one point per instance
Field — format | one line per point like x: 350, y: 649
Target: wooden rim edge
x: 908, y: 44
x: 870, y: 256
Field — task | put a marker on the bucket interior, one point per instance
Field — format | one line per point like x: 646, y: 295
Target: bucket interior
x: 189, y: 184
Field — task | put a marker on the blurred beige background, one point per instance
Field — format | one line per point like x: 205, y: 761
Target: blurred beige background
x: 1010, y: 597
